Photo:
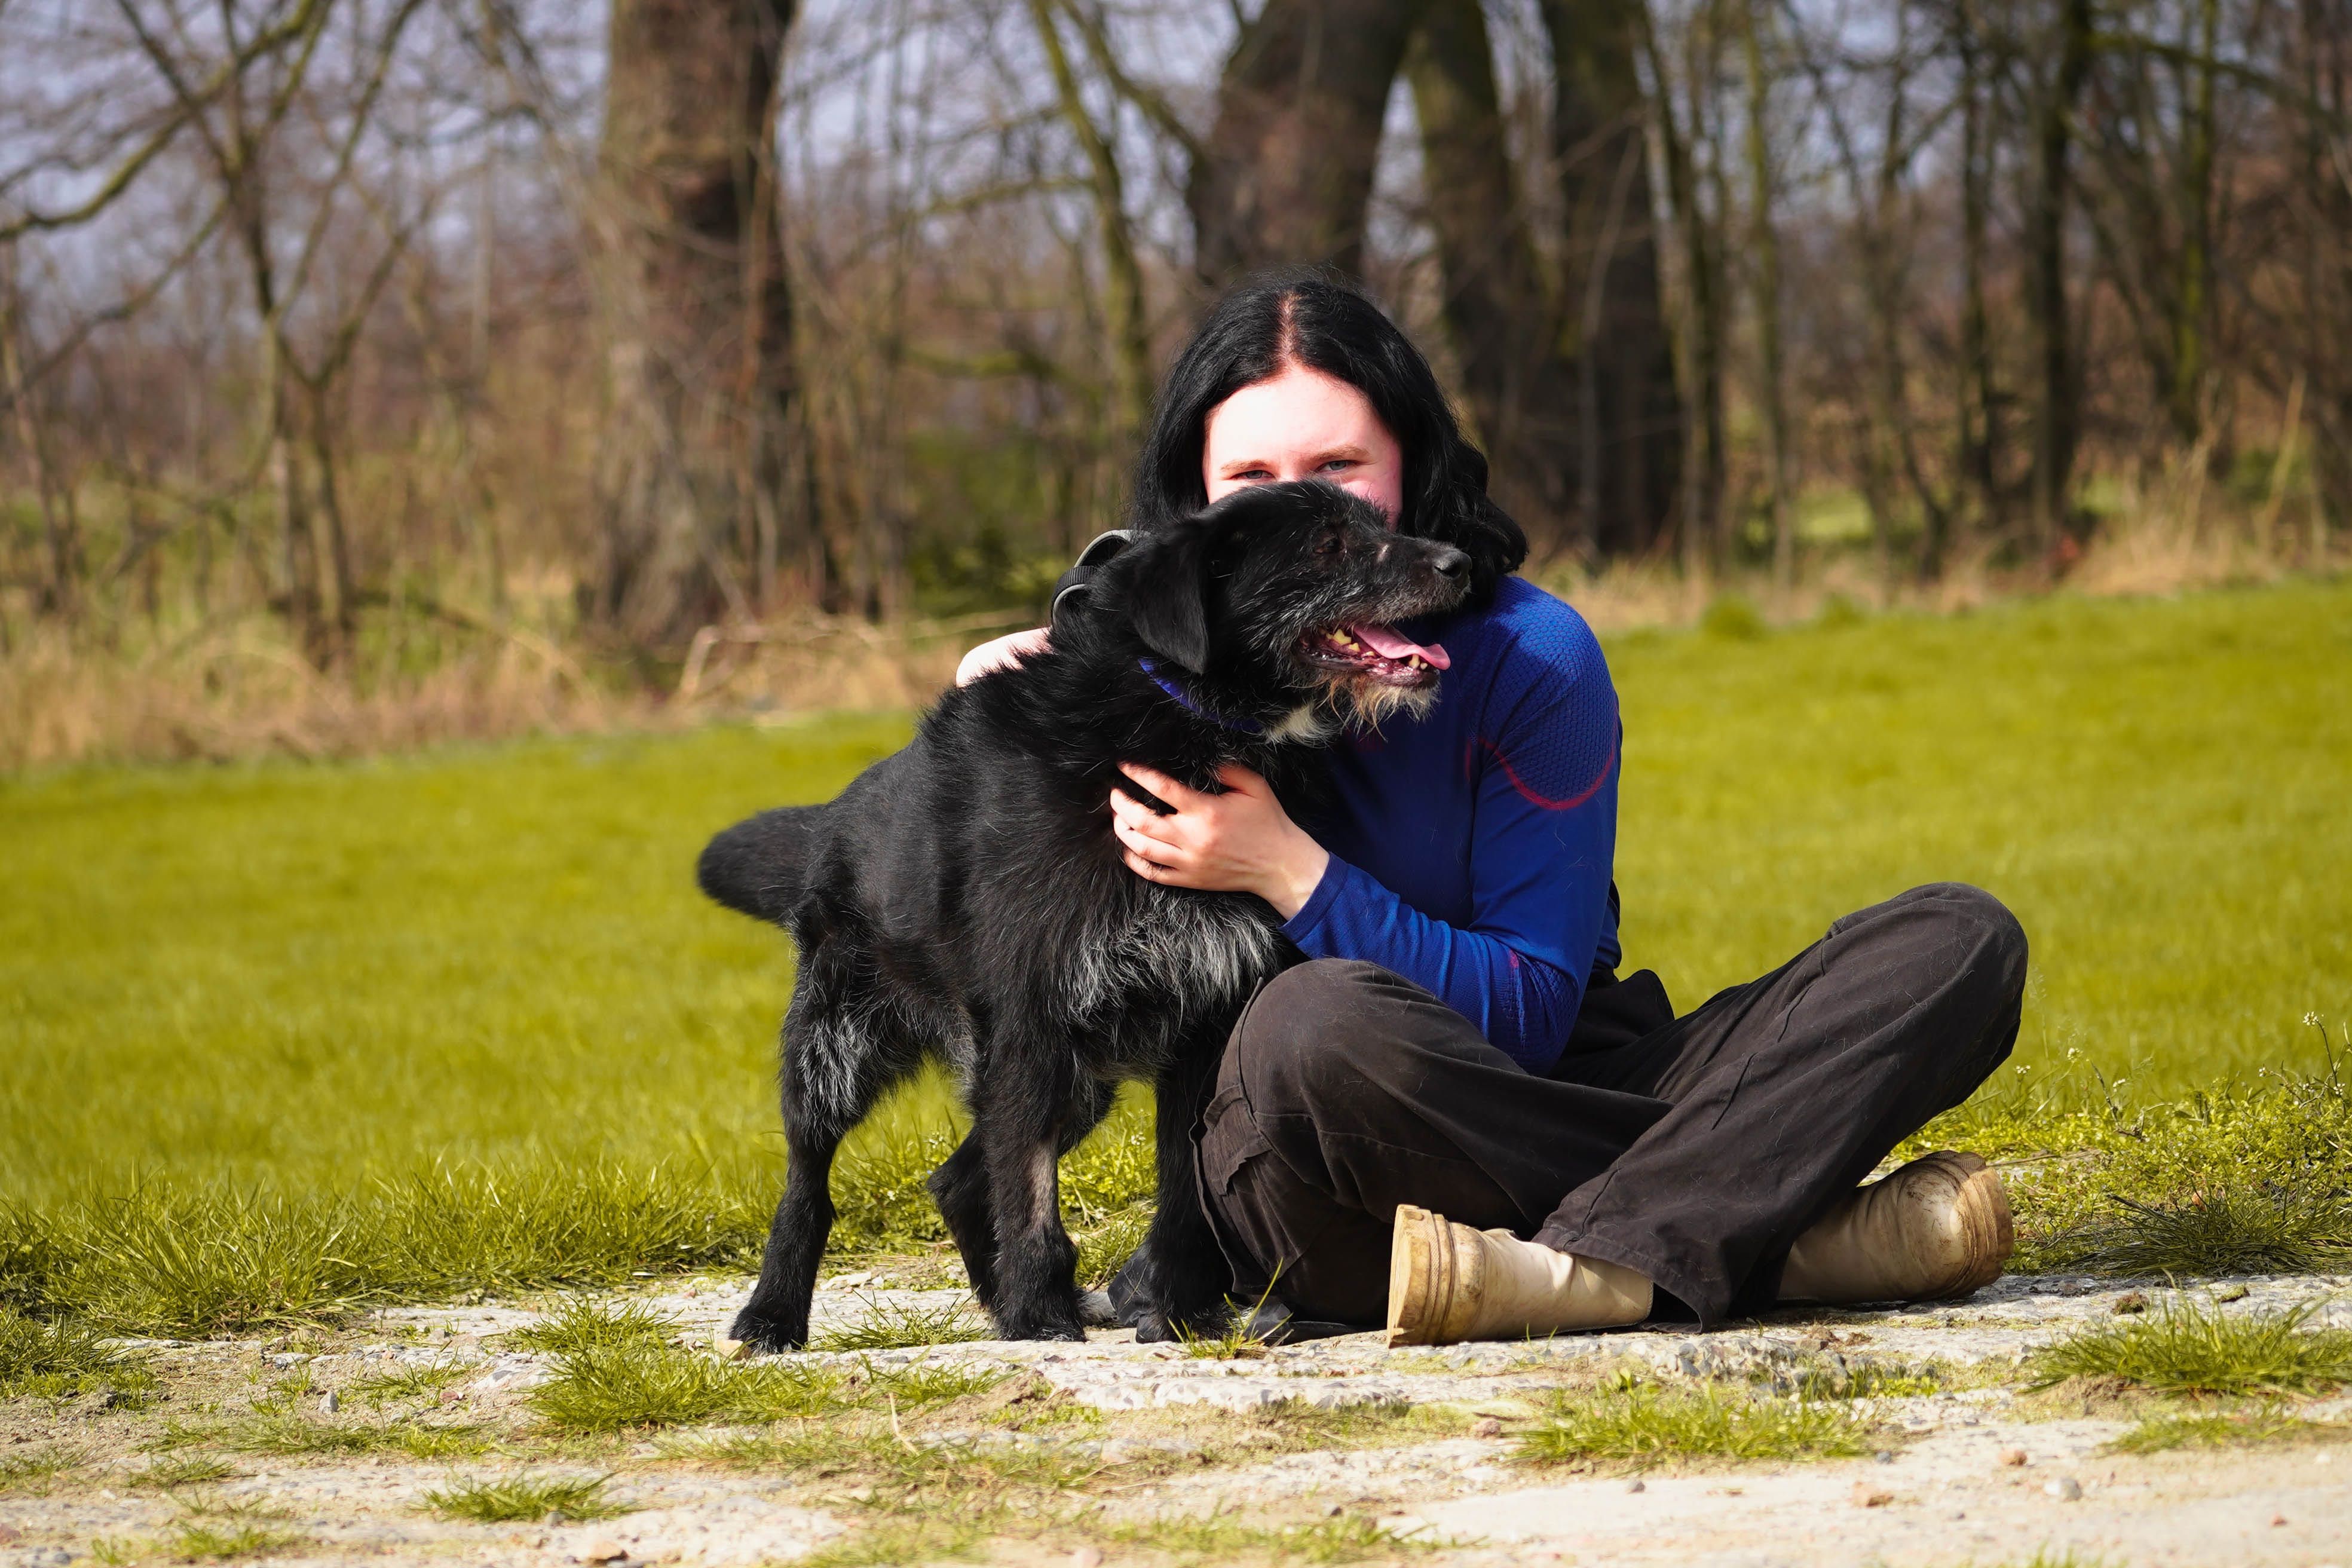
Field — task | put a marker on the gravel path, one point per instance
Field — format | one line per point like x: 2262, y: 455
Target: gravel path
x: 1982, y: 1473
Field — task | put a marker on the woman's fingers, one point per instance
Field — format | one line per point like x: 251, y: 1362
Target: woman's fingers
x: 1175, y: 792
x: 1149, y: 840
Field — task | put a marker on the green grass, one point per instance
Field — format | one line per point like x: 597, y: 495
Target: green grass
x: 524, y: 1497
x: 1644, y: 1426
x: 170, y: 1474
x: 894, y: 1325
x: 407, y: 1029
x: 2258, y: 1428
x: 615, y: 1387
x: 61, y: 1360
x: 1351, y: 1538
x: 29, y: 1469
x: 2190, y: 1347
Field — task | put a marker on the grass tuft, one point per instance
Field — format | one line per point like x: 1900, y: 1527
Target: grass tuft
x: 2279, y: 1232
x: 2190, y: 1347
x: 171, y: 1474
x: 31, y: 1469
x: 273, y: 1428
x: 60, y: 1360
x: 425, y: 1381
x: 920, y: 1385
x: 522, y: 1497
x: 584, y: 1325
x: 897, y: 1325
x: 1351, y: 1538
x: 207, y: 1543
x: 1645, y: 1426
x: 2245, y: 1429
x: 614, y: 1387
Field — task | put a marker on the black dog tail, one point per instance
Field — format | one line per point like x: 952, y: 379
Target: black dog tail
x: 761, y: 866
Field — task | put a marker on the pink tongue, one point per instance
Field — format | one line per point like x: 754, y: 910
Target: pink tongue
x: 1384, y: 641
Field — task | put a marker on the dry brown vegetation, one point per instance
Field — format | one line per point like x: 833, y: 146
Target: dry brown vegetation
x: 371, y: 371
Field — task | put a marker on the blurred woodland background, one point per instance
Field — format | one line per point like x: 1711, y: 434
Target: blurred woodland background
x: 376, y: 371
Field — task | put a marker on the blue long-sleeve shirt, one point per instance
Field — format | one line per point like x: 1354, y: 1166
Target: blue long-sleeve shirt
x: 1471, y: 850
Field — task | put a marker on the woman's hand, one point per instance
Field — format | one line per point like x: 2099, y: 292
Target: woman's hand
x: 1238, y: 842
x: 1002, y: 653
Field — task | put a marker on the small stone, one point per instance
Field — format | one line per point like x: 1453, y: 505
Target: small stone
x: 1085, y: 1557
x: 2129, y: 1303
x: 2230, y: 1293
x: 1333, y: 1510
x: 603, y: 1549
x: 1885, y: 1455
x: 731, y: 1349
x: 1637, y: 1485
x: 10, y: 1535
x: 1867, y: 1496
x: 2277, y: 1519
x: 330, y: 1403
x: 2065, y: 1488
x: 1487, y: 1427
x: 2013, y: 1457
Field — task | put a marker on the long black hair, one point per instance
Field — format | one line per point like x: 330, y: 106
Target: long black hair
x: 1309, y: 318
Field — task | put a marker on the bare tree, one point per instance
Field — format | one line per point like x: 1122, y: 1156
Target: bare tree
x: 697, y: 309
x: 1286, y: 170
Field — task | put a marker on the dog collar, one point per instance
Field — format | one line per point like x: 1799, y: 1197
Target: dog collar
x: 1150, y: 667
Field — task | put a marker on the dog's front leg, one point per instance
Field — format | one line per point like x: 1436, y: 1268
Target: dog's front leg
x: 1019, y: 1120
x: 1179, y: 1275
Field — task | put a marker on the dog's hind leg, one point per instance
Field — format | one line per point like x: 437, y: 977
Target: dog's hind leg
x: 1020, y: 1110
x: 1176, y: 1282
x: 960, y: 1186
x: 833, y: 1073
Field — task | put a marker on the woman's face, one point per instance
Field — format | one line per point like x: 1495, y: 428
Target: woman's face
x: 1302, y: 425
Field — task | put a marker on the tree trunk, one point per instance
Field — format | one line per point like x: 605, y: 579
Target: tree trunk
x: 1124, y: 314
x: 1507, y: 332
x: 696, y: 315
x: 60, y: 588
x: 2193, y: 286
x: 2057, y: 391
x: 2326, y: 200
x: 1700, y: 338
x: 1980, y: 417
x: 1633, y: 423
x: 1771, y: 401
x: 1287, y: 171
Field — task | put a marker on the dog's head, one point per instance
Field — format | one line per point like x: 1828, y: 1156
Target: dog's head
x: 1279, y: 594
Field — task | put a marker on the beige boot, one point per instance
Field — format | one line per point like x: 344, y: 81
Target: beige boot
x: 1449, y: 1283
x: 1938, y: 1228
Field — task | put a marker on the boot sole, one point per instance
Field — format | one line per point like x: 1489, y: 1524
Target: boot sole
x: 1981, y: 1204
x: 1420, y: 1276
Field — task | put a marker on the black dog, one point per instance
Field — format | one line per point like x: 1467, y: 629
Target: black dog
x: 964, y: 898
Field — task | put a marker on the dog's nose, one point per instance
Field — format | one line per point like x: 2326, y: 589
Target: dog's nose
x: 1449, y: 563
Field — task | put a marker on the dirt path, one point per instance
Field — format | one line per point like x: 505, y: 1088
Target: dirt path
x: 1116, y: 1452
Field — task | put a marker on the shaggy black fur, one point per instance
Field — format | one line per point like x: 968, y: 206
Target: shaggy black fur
x: 964, y: 899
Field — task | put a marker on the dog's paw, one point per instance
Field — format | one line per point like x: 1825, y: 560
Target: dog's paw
x: 761, y: 1334
x: 1156, y: 1326
x: 1047, y: 1325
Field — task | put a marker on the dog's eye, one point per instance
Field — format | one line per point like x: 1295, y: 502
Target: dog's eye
x: 1329, y: 545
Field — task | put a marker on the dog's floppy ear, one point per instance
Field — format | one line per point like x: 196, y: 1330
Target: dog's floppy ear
x: 1164, y: 582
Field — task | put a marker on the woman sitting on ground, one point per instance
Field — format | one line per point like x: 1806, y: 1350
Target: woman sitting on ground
x: 1456, y: 1118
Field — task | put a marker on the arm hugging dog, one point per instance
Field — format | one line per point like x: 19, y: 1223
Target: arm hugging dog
x: 964, y: 899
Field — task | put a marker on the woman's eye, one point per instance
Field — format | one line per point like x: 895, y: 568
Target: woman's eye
x: 1255, y: 476
x: 1338, y: 464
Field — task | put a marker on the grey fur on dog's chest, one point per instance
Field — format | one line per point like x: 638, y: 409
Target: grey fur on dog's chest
x: 1211, y: 950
